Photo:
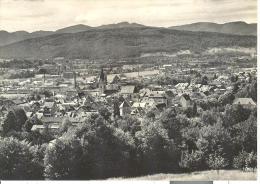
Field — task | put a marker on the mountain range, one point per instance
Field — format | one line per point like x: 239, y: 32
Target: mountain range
x: 121, y: 43
x: 8, y: 38
x: 237, y: 28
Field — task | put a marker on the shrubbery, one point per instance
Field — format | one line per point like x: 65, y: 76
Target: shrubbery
x: 103, y: 147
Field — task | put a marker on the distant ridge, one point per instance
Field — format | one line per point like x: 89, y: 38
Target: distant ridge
x: 8, y: 38
x: 74, y: 29
x: 237, y: 28
x: 118, y: 43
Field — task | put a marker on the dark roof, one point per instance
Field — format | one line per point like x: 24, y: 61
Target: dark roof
x: 160, y: 106
x: 187, y: 97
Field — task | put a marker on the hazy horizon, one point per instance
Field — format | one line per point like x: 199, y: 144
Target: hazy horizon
x: 50, y: 15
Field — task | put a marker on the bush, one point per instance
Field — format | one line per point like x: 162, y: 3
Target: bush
x: 251, y: 160
x: 216, y: 161
x: 192, y: 161
x: 239, y: 162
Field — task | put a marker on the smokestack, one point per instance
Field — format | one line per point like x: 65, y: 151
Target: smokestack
x: 75, y: 80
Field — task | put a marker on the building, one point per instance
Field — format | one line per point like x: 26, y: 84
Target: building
x: 185, y: 101
x: 125, y: 108
x: 129, y: 92
x: 245, y: 102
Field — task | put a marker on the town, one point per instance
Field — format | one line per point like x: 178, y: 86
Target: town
x: 74, y: 89
x: 44, y: 101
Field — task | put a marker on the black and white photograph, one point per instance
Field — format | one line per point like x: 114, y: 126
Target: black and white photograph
x: 128, y: 90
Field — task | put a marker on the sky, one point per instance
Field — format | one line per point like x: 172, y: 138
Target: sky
x: 34, y: 15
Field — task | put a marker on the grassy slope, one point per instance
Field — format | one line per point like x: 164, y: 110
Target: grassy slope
x: 200, y: 176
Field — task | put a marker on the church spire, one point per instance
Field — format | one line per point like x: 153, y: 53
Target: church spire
x: 102, y: 75
x: 102, y: 82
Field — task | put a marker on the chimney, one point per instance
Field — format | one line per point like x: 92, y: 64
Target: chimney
x: 75, y: 79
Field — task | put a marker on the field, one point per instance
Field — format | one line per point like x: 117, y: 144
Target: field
x: 200, y: 176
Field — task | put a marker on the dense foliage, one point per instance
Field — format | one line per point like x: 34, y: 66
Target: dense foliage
x: 223, y: 136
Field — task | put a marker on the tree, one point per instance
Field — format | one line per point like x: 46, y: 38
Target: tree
x: 245, y: 134
x: 17, y: 160
x: 116, y: 109
x: 235, y: 114
x: 210, y: 117
x: 173, y: 125
x: 194, y: 109
x: 216, y: 161
x: 62, y: 159
x: 104, y: 112
x: 9, y: 123
x: 28, y: 125
x: 65, y: 125
x: 192, y: 161
x: 251, y: 160
x: 239, y: 161
x: 20, y: 117
x: 234, y: 78
x: 215, y: 137
x: 47, y: 94
x: 204, y: 80
x: 158, y: 153
x: 106, y: 151
x: 14, y: 120
x: 226, y: 98
x: 248, y: 91
x: 150, y: 114
x: 129, y: 124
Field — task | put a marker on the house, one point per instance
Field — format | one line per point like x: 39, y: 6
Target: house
x: 40, y: 128
x: 245, y: 102
x: 185, y: 101
x: 125, y: 108
x: 129, y: 92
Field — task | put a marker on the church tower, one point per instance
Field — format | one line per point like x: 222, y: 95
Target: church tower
x: 102, y: 82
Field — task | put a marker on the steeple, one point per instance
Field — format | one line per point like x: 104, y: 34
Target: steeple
x: 102, y: 82
x: 102, y: 75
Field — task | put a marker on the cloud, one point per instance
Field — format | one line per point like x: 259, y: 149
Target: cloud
x: 33, y: 15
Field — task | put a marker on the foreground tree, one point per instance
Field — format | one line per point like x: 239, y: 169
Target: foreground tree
x: 62, y: 159
x: 158, y: 153
x: 17, y: 160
